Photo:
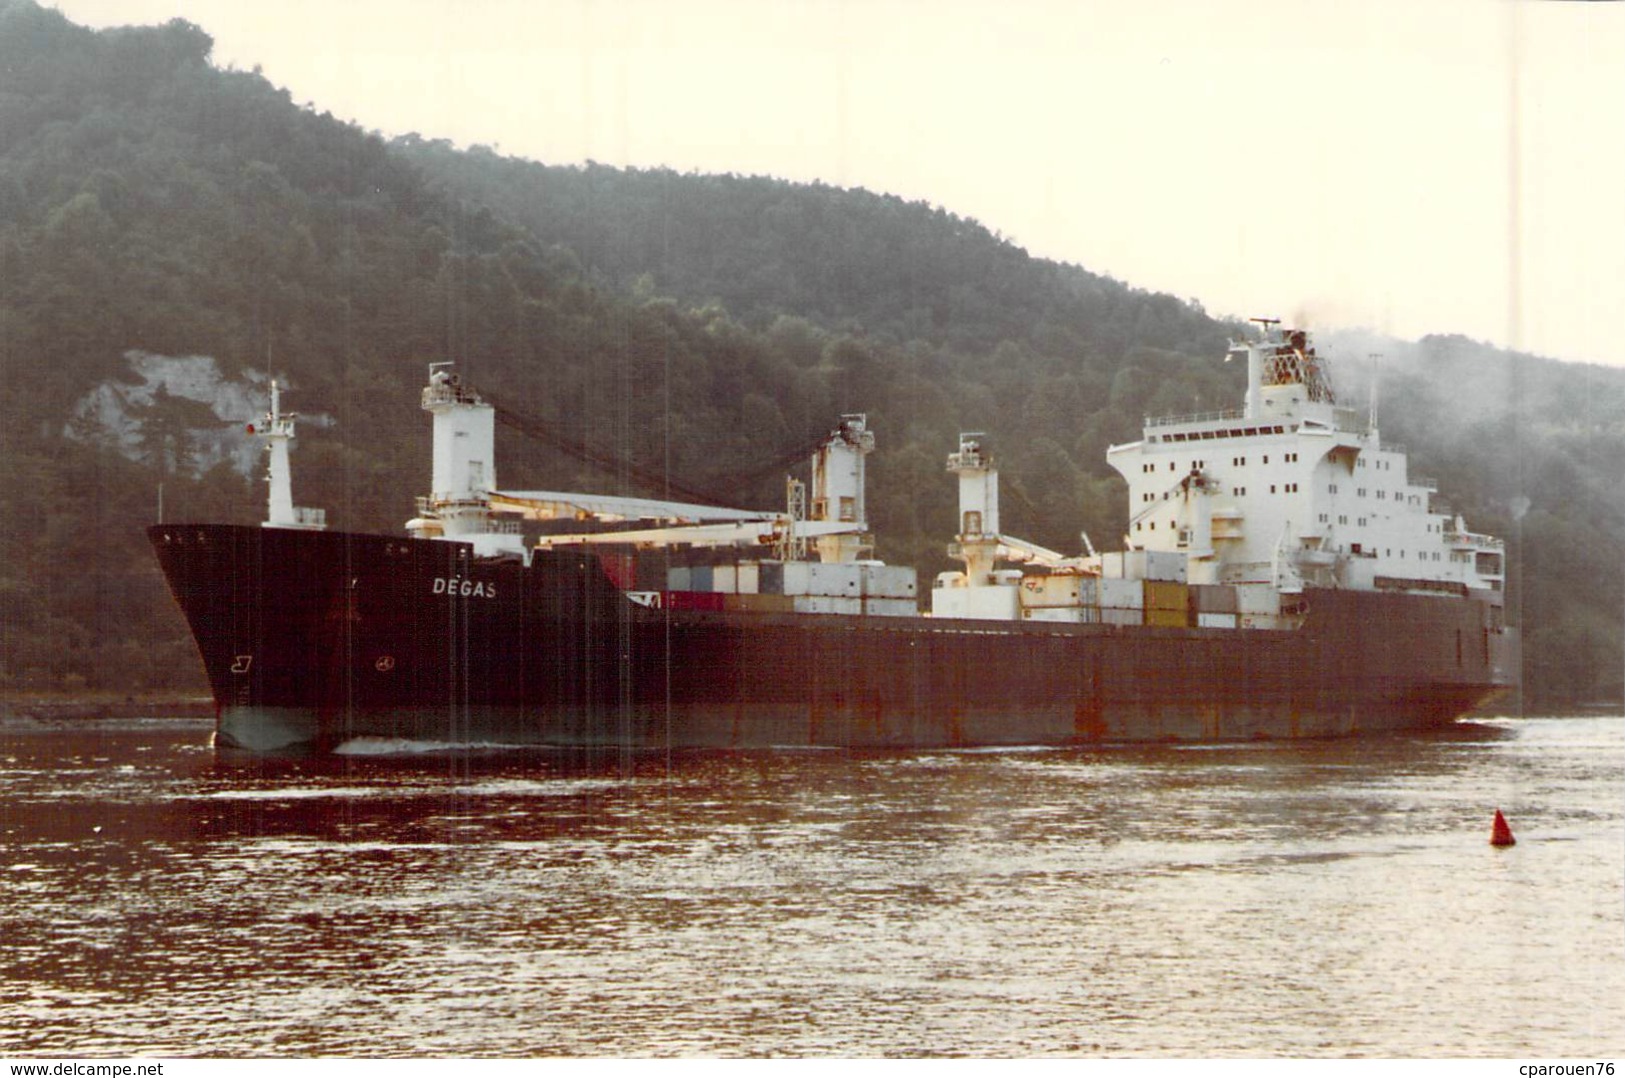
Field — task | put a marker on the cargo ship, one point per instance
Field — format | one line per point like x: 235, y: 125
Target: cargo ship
x: 1282, y: 575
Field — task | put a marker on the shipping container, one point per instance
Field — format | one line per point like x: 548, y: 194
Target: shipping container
x: 783, y: 577
x: 1167, y: 565
x: 1265, y: 621
x: 1050, y: 590
x: 890, y: 581
x: 770, y: 577
x: 1213, y: 599
x: 827, y: 604
x: 1111, y: 615
x: 891, y: 608
x: 999, y: 604
x: 1257, y: 599
x: 759, y: 604
x: 1122, y: 594
x: 1066, y: 614
x: 1206, y: 620
x: 1168, y: 619
x: 1167, y: 595
x: 835, y: 579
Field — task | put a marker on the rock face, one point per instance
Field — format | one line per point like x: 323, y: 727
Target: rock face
x: 184, y: 393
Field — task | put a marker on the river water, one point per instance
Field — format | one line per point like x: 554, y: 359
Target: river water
x: 1334, y: 899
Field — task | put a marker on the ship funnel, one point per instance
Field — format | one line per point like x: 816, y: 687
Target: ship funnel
x: 1286, y: 379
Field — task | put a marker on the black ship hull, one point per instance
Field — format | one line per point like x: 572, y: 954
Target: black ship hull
x: 315, y: 638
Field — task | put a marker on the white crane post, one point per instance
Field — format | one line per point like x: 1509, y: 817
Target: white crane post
x: 838, y: 482
x: 464, y: 438
x: 978, y: 539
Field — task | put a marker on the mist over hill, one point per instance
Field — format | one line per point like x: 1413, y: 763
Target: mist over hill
x: 688, y: 327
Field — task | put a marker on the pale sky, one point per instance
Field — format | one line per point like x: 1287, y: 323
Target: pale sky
x: 1414, y: 167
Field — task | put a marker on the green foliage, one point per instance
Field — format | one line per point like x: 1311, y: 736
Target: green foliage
x: 686, y: 328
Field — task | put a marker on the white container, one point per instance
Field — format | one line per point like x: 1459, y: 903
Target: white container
x: 1168, y: 565
x: 1050, y: 590
x: 797, y: 575
x: 1070, y: 615
x: 836, y: 578
x: 1165, y: 565
x: 986, y: 603
x: 827, y: 604
x: 890, y: 581
x: 1122, y: 594
x: 1257, y: 599
x: 1265, y: 621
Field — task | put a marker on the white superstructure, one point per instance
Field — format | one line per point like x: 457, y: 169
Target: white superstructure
x: 1294, y: 491
x: 1231, y: 516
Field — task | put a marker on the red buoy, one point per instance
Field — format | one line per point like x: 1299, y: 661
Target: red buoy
x: 1500, y: 833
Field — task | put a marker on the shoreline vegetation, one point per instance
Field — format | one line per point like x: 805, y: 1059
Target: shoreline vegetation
x: 66, y: 707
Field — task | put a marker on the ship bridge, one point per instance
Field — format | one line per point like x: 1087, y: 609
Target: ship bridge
x: 1293, y: 489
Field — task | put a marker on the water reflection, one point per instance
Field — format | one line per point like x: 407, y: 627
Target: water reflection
x: 1308, y: 899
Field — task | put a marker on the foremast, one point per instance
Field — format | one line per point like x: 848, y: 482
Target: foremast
x: 277, y: 430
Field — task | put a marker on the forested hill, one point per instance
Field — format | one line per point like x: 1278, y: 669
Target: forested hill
x: 172, y: 234
x: 845, y: 259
